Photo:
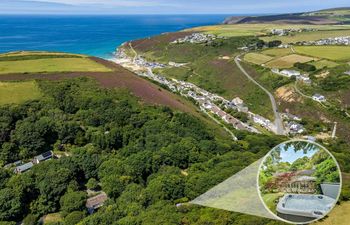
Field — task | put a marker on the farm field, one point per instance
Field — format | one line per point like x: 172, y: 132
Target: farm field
x: 337, y: 53
x: 277, y: 52
x: 324, y: 63
x: 257, y: 58
x: 259, y: 29
x: 311, y: 36
x: 18, y: 92
x: 51, y: 65
x: 288, y: 61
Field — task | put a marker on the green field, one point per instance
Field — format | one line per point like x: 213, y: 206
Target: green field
x: 336, y: 53
x: 311, y: 36
x: 235, y: 30
x: 18, y: 92
x: 51, y: 65
x: 324, y: 63
x: 257, y: 58
x: 277, y: 52
x: 288, y: 61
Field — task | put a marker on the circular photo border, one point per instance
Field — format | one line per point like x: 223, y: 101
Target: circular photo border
x: 269, y: 153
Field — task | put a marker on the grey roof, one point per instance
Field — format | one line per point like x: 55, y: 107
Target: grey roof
x: 24, y: 167
x: 44, y: 156
x: 304, y: 178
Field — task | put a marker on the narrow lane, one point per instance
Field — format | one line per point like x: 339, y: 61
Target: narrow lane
x: 278, y: 119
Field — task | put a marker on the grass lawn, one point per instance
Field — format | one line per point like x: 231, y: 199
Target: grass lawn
x: 277, y: 52
x: 288, y: 61
x: 257, y: 58
x: 336, y: 53
x: 18, y: 92
x: 324, y: 63
x: 51, y: 65
x: 338, y: 216
x: 269, y: 200
x: 311, y: 36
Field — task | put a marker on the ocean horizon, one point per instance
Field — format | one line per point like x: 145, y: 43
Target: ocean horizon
x: 95, y: 35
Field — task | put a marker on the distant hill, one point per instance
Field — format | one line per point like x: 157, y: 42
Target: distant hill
x: 325, y: 16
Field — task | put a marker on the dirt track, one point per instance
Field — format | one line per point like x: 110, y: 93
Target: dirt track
x: 119, y: 78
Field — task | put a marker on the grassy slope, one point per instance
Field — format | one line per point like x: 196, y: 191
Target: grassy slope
x: 51, y: 65
x: 18, y: 92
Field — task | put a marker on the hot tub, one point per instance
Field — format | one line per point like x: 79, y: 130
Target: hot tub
x: 304, y: 207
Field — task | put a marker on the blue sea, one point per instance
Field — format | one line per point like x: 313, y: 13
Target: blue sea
x: 92, y: 35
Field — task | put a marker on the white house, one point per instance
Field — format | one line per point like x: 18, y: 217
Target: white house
x: 237, y: 101
x: 290, y: 73
x: 319, y: 98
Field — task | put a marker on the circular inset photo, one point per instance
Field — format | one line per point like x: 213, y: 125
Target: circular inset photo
x: 299, y: 181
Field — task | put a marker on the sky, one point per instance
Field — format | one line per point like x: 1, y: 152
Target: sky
x: 234, y: 7
x: 291, y: 155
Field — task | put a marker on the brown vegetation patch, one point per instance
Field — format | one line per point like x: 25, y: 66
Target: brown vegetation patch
x: 287, y: 94
x: 120, y: 78
x: 147, y: 44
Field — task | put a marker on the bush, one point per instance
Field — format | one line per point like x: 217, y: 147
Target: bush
x: 305, y: 67
x: 73, y: 201
x: 74, y: 218
x: 92, y: 184
x: 30, y: 220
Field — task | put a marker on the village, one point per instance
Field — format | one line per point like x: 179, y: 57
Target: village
x: 196, y: 38
x: 285, y: 32
x: 328, y: 41
x: 208, y: 102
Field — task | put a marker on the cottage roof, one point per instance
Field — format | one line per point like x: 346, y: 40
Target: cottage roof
x: 304, y: 178
x: 96, y: 201
x: 24, y: 167
x: 45, y: 155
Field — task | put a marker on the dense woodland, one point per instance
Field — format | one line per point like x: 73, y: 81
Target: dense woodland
x: 146, y: 158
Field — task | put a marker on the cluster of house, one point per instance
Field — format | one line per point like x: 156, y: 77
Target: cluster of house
x: 292, y: 124
x: 21, y: 167
x: 293, y: 73
x: 208, y: 101
x: 328, y: 41
x: 196, y: 38
x: 154, y: 65
x: 285, y: 32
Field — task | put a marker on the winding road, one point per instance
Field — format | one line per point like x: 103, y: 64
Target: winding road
x: 278, y: 119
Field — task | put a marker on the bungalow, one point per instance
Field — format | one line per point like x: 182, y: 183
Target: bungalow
x: 319, y: 98
x: 96, y: 202
x: 23, y: 168
x: 43, y: 157
x: 290, y: 73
